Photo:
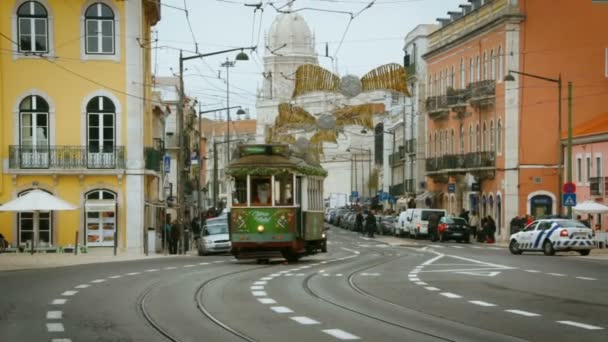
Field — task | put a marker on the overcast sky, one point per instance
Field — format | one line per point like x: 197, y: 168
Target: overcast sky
x: 373, y: 38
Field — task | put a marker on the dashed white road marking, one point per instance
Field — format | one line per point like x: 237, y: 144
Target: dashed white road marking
x: 166, y: 268
x: 532, y: 271
x: 275, y: 275
x: 581, y: 325
x: 414, y: 279
x: 58, y: 301
x: 266, y: 278
x: 450, y: 295
x: 188, y: 266
x: 61, y: 340
x: 523, y: 313
x: 69, y: 293
x: 288, y: 274
x: 153, y: 270
x: 54, y: 315
x: 557, y: 274
x: 476, y: 247
x: 338, y: 274
x: 203, y: 263
x: 304, y: 320
x: 267, y: 301
x: 256, y: 287
x: 259, y: 293
x: 420, y: 283
x: 55, y: 327
x: 340, y: 334
x: 136, y: 273
x: 481, y: 303
x: 585, y: 278
x: 82, y: 286
x: 97, y: 281
x: 281, y: 309
x: 115, y: 277
x: 300, y: 274
x: 260, y: 282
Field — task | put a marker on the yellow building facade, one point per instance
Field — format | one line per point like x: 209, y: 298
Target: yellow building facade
x: 77, y: 120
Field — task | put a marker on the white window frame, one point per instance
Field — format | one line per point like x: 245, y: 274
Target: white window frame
x: 500, y: 64
x: 579, y: 169
x: 115, y: 57
x: 462, y: 74
x: 499, y: 137
x: 598, y: 165
x: 492, y: 65
x: 50, y: 23
x: 485, y: 65
x: 588, y: 167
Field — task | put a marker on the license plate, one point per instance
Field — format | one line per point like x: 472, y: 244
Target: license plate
x: 580, y: 234
x: 456, y: 234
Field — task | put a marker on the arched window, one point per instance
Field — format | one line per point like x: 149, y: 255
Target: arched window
x: 436, y: 145
x: 452, y: 76
x: 430, y: 146
x: 484, y: 138
x: 100, y: 206
x: 99, y: 26
x: 500, y: 63
x: 452, y: 142
x: 492, y: 136
x: 34, y: 132
x: 437, y: 88
x: 477, y: 69
x: 431, y: 86
x: 25, y: 225
x: 462, y: 138
x: 471, y: 71
x: 492, y: 65
x: 485, y: 65
x: 471, y: 147
x: 477, y: 138
x: 101, y: 132
x: 499, y: 136
x: 32, y: 27
x: 462, y: 74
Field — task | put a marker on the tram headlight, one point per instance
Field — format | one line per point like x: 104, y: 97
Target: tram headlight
x: 323, y: 235
x: 260, y: 229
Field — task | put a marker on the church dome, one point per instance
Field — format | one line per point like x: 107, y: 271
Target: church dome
x: 291, y: 29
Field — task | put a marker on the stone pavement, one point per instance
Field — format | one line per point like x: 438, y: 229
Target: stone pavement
x: 20, y: 261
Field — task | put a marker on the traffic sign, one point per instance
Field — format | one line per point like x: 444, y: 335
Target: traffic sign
x: 167, y: 163
x: 451, y: 188
x: 569, y: 188
x: 569, y: 199
x: 384, y: 196
x: 354, y: 194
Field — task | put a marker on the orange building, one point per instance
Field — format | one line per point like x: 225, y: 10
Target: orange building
x: 494, y: 141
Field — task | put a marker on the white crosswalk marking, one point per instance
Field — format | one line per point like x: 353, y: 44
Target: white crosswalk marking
x: 304, y: 320
x: 523, y: 313
x: 340, y: 334
x: 580, y: 325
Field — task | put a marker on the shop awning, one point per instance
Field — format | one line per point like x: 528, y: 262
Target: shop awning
x: 100, y: 205
x: 426, y: 196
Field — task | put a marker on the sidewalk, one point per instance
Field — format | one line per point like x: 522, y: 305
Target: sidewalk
x: 21, y: 261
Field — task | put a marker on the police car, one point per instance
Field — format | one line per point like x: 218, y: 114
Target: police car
x: 553, y: 235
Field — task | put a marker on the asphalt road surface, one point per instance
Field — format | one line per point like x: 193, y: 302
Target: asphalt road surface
x: 359, y: 290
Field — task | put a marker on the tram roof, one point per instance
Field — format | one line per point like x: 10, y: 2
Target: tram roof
x: 272, y: 159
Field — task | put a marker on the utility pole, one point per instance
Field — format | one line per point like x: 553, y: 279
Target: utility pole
x: 215, y: 189
x: 569, y: 146
x: 404, y: 150
x: 228, y: 64
x: 200, y: 163
x: 369, y: 173
x: 180, y: 155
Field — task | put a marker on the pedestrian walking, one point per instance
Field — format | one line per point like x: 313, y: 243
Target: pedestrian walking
x: 491, y: 230
x: 370, y: 224
x: 3, y: 244
x: 481, y: 232
x: 359, y: 222
x: 433, y: 224
x: 175, y: 236
x: 474, y: 224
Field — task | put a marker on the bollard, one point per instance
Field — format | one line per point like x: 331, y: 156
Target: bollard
x: 76, y: 244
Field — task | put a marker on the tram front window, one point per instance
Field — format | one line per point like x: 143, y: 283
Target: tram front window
x: 260, y: 192
x: 239, y: 195
x: 283, y: 190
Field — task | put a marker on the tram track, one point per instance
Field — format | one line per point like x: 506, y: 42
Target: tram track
x: 198, y: 298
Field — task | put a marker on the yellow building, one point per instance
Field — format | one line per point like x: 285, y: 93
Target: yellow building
x: 77, y: 119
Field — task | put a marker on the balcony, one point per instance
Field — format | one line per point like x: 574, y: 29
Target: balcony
x: 483, y: 93
x: 396, y: 190
x: 460, y: 163
x: 457, y: 99
x: 153, y: 159
x: 410, y: 146
x: 397, y: 158
x: 598, y: 186
x: 437, y: 107
x: 409, y: 186
x: 61, y: 157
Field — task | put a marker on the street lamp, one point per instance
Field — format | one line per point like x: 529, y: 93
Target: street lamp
x: 180, y: 129
x: 508, y: 78
x: 230, y: 64
x: 369, y: 160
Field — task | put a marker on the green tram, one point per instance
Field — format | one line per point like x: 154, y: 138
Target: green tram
x: 276, y: 204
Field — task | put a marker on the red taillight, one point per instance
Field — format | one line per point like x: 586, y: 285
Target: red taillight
x: 442, y: 227
x: 418, y: 226
x: 563, y: 233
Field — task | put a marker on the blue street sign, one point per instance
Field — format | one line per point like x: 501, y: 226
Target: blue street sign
x: 451, y: 188
x: 167, y: 164
x: 354, y: 194
x: 392, y: 200
x: 569, y: 200
x: 384, y: 196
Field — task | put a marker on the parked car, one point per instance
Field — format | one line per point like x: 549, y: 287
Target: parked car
x: 339, y: 215
x: 553, y: 235
x: 214, y: 237
x: 387, y: 225
x: 453, y: 228
x: 415, y: 222
x: 344, y: 222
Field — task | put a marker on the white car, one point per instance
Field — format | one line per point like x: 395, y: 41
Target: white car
x: 553, y: 235
x: 214, y: 237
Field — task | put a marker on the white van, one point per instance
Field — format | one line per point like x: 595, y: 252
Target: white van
x: 415, y: 222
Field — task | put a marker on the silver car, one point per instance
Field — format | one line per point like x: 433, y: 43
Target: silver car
x: 214, y: 237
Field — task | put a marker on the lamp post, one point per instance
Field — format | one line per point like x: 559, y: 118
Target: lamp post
x: 558, y: 81
x: 180, y: 129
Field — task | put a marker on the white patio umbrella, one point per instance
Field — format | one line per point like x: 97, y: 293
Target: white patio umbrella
x: 37, y: 201
x: 590, y: 207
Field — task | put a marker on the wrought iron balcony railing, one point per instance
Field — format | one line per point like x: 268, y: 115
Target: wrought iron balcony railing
x: 482, y: 92
x: 462, y: 162
x: 66, y: 157
x: 396, y: 190
x: 598, y: 186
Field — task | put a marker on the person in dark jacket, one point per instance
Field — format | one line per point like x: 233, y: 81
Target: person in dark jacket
x: 433, y: 224
x: 359, y: 222
x: 370, y: 224
x: 491, y: 229
x: 174, y: 237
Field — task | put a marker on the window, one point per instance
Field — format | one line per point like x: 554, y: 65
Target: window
x: 462, y: 74
x: 437, y: 90
x: 477, y: 138
x: 579, y: 170
x: 283, y: 189
x: 500, y: 63
x: 492, y: 136
x: 99, y: 27
x: 485, y: 65
x: 452, y: 142
x: 471, y: 138
x: 431, y: 86
x: 315, y: 194
x: 477, y: 69
x: 436, y: 147
x: 492, y: 65
x: 239, y: 195
x: 499, y: 136
x: 471, y: 70
x: 452, y: 76
x: 25, y: 221
x: 484, y: 138
x: 101, y: 125
x: 588, y: 166
x: 598, y: 166
x: 100, y: 216
x: 462, y: 138
x: 260, y: 191
x: 34, y: 132
x: 32, y: 27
